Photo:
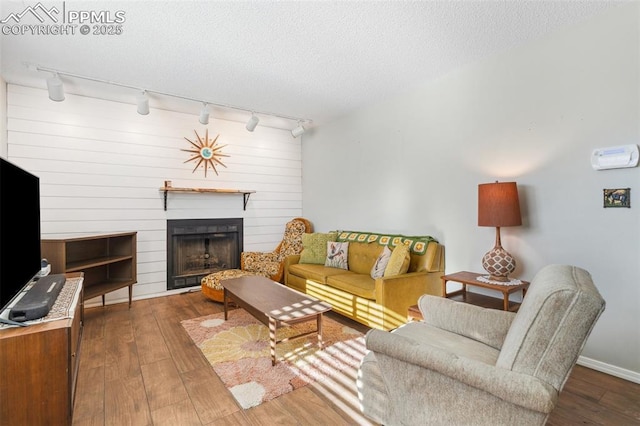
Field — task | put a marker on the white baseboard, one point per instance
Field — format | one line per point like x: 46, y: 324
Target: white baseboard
x: 97, y: 301
x: 632, y: 376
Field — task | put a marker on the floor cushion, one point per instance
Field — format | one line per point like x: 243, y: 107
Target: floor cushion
x: 211, y: 286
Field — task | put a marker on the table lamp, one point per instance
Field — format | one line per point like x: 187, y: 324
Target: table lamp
x: 498, y: 206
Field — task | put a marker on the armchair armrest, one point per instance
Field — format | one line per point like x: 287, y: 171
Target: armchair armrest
x: 262, y: 263
x: 489, y: 326
x: 516, y: 388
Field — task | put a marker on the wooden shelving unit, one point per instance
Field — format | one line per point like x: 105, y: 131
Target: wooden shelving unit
x: 108, y: 261
x: 245, y: 193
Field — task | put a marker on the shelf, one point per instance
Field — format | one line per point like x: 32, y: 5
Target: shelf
x: 472, y: 299
x: 100, y: 288
x: 484, y: 301
x: 108, y: 261
x: 81, y: 266
x: 245, y: 193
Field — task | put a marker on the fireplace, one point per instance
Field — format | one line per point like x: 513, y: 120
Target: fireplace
x: 198, y: 247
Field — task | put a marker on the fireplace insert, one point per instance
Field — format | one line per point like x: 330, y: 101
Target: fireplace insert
x: 198, y: 247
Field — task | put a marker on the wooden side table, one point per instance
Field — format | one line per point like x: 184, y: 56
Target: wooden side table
x: 470, y: 278
x: 414, y: 313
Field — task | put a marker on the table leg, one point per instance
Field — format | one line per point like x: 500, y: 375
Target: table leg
x: 444, y: 288
x: 225, y: 298
x: 320, y: 341
x: 506, y: 301
x: 272, y: 339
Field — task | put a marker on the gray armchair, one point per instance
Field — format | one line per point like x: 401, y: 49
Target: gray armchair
x: 467, y: 365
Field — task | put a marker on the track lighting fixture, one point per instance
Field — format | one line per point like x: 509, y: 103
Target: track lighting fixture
x: 297, y: 131
x: 55, y: 88
x: 204, y: 114
x: 143, y: 103
x: 252, y: 123
x: 56, y: 93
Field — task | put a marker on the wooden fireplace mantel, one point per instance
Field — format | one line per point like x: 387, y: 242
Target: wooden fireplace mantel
x: 245, y: 193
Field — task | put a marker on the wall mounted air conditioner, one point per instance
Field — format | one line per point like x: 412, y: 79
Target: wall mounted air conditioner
x: 614, y: 157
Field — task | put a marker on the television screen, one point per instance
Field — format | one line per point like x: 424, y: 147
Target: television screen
x: 19, y: 230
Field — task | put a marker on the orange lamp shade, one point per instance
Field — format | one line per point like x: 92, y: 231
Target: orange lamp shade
x: 498, y: 204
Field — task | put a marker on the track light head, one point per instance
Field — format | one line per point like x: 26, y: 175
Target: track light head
x: 204, y: 114
x: 55, y: 88
x: 252, y: 123
x: 143, y: 103
x: 298, y: 130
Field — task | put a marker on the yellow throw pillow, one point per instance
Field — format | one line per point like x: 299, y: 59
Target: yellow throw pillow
x: 398, y: 262
x: 314, y: 247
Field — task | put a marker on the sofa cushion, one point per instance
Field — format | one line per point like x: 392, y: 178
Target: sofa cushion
x: 314, y: 247
x: 313, y: 272
x: 431, y: 261
x: 377, y: 271
x: 337, y: 255
x: 357, y: 284
x: 362, y: 257
x: 398, y: 262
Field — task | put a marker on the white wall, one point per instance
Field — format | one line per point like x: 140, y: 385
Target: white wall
x: 101, y: 166
x: 412, y: 164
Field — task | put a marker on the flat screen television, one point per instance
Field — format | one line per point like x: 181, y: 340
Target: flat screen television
x: 19, y: 230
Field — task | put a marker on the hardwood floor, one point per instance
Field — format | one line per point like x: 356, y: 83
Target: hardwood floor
x: 139, y: 367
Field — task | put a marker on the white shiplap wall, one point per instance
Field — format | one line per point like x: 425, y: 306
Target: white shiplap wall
x: 101, y: 166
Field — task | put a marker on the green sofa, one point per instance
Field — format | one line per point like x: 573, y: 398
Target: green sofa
x: 380, y: 303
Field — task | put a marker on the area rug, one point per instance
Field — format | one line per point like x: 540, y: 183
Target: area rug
x: 238, y: 351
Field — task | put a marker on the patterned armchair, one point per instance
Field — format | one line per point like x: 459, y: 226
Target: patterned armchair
x: 271, y: 264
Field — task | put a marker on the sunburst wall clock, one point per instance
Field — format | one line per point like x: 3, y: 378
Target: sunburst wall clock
x: 205, y: 152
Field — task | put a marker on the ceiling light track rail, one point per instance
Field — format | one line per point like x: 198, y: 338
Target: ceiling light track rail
x: 204, y: 115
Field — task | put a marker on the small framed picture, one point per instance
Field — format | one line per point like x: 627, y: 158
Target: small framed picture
x: 619, y: 197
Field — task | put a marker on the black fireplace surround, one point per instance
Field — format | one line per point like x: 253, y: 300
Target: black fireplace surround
x: 198, y: 247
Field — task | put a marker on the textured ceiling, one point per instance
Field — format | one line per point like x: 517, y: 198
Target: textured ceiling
x: 308, y: 59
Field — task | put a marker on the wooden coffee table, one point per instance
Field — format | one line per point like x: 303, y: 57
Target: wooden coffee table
x: 275, y: 305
